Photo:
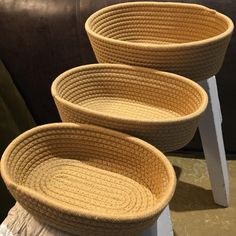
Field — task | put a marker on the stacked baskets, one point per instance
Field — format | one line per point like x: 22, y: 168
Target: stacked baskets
x: 186, y: 39
x: 159, y: 107
x: 90, y: 180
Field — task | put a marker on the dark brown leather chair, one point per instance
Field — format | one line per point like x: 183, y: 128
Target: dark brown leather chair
x: 42, y: 38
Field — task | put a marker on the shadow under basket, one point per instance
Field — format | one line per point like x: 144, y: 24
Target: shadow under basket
x: 158, y: 107
x: 186, y: 39
x: 88, y: 180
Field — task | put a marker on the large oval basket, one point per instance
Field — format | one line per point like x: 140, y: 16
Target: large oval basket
x: 186, y: 39
x: 159, y: 107
x: 88, y: 180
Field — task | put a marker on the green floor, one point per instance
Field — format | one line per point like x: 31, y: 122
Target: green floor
x: 193, y: 210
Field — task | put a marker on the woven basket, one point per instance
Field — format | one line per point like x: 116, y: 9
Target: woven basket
x: 186, y: 39
x: 158, y: 107
x: 88, y: 180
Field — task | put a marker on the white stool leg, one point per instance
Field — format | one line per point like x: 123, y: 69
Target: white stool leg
x: 213, y: 144
x: 213, y: 86
x: 163, y: 226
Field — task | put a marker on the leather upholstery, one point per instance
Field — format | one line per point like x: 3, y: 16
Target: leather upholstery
x: 41, y: 39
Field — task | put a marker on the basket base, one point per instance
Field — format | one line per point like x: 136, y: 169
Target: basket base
x: 120, y: 108
x: 78, y: 185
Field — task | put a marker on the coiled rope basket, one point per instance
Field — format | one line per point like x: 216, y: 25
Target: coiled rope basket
x: 186, y: 39
x: 88, y: 180
x: 158, y: 107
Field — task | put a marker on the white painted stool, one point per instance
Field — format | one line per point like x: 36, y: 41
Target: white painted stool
x: 163, y: 227
x: 213, y: 144
x: 214, y: 151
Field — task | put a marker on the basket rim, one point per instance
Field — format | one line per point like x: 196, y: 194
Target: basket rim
x: 101, y: 115
x: 186, y: 45
x: 144, y: 215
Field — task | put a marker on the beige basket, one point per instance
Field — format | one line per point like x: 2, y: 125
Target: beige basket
x: 159, y: 107
x: 186, y: 39
x: 88, y: 180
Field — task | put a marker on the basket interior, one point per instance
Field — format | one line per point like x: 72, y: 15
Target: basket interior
x: 157, y: 23
x: 90, y: 170
x: 125, y: 92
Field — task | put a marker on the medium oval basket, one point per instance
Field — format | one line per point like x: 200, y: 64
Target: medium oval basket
x: 186, y: 39
x: 88, y: 180
x: 159, y: 107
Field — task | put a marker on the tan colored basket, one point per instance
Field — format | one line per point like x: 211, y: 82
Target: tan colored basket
x: 88, y: 180
x: 186, y: 39
x: 159, y: 107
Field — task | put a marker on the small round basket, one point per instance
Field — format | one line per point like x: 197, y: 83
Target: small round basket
x: 186, y: 39
x: 158, y: 107
x: 88, y: 180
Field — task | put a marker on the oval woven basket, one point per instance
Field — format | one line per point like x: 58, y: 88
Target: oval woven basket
x: 186, y: 39
x: 158, y: 107
x: 88, y: 180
